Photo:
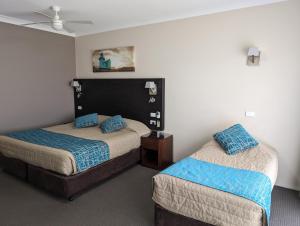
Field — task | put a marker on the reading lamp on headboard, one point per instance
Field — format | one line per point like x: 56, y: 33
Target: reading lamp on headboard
x: 76, y: 85
x: 127, y: 97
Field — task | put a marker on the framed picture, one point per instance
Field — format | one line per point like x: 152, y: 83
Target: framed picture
x: 114, y: 60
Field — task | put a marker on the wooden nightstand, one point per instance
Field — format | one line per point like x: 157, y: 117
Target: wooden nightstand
x: 157, y: 153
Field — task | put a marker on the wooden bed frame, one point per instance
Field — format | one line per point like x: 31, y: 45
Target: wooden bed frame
x: 164, y: 217
x: 72, y: 186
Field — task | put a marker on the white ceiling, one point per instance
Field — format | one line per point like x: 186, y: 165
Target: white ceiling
x: 115, y: 14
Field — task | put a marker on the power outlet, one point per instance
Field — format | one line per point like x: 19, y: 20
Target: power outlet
x: 250, y: 114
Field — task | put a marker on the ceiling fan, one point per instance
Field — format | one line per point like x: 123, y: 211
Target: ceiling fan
x: 56, y: 22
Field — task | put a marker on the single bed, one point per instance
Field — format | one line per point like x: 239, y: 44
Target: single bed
x: 55, y: 169
x: 180, y: 202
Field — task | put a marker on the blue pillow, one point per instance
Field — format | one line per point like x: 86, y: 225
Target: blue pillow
x: 87, y: 121
x: 235, y: 139
x: 113, y: 124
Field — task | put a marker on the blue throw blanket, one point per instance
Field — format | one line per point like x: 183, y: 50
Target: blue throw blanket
x: 87, y: 153
x: 248, y: 184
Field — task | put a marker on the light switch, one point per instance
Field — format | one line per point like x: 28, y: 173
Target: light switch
x: 157, y: 114
x: 153, y: 114
x: 79, y: 107
x: 250, y: 114
x: 152, y: 122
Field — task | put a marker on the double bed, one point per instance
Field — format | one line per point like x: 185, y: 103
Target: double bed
x: 182, y: 202
x: 55, y: 169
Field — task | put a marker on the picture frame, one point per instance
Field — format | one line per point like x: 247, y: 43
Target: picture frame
x: 121, y: 59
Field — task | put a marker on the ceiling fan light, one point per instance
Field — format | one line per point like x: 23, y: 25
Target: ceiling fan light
x: 56, y: 23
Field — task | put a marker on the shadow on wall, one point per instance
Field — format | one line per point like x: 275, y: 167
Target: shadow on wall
x: 297, y: 173
x: 298, y: 176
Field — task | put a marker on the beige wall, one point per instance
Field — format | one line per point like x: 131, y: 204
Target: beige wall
x: 209, y: 86
x: 35, y: 68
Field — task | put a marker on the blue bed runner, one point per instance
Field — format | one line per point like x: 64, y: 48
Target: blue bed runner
x: 248, y: 184
x: 87, y: 153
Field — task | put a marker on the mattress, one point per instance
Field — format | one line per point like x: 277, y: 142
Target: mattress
x: 210, y: 205
x: 63, y: 162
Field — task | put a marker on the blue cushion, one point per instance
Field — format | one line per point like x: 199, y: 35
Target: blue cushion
x: 235, y: 139
x: 112, y: 124
x: 87, y: 121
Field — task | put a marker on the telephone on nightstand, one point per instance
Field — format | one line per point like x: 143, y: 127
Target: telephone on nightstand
x: 158, y: 134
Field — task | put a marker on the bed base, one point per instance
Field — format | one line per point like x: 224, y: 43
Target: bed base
x: 69, y: 187
x: 14, y: 167
x: 164, y: 217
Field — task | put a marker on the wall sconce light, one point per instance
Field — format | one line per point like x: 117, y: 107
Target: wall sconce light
x: 253, y: 56
x: 152, y: 88
x: 77, y: 86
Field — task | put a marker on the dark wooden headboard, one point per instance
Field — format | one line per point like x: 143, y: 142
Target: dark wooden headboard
x: 127, y: 97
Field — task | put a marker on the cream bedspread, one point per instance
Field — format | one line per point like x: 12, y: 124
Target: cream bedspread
x: 214, y: 206
x: 62, y: 161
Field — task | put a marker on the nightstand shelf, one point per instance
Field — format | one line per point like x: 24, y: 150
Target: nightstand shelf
x: 157, y: 153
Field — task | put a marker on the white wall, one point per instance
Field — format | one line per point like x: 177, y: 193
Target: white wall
x: 209, y: 86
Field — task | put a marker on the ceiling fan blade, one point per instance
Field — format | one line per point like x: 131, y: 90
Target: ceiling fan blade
x: 40, y: 22
x: 66, y: 28
x: 44, y: 14
x: 78, y: 22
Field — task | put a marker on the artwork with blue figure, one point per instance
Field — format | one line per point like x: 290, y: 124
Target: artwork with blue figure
x: 103, y: 63
x: 114, y: 59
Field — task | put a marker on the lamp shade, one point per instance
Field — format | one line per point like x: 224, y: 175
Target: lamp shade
x: 253, y: 52
x: 75, y: 84
x: 150, y: 85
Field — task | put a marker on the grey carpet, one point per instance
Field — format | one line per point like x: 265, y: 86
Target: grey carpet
x: 124, y: 200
